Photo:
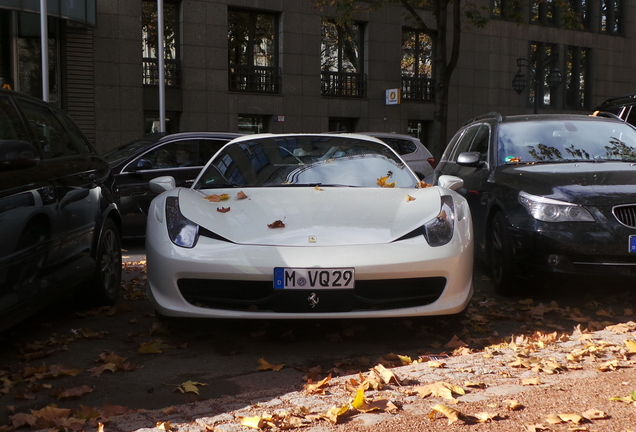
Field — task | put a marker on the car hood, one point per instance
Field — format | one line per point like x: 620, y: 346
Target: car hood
x: 586, y: 183
x: 324, y: 217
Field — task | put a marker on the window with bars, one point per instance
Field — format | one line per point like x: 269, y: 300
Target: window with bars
x: 542, y: 59
x: 611, y: 17
x: 253, y: 51
x: 506, y: 9
x: 417, y: 66
x: 543, y: 12
x: 150, y: 42
x: 342, y: 55
x: 577, y: 77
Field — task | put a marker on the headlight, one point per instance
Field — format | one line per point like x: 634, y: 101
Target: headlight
x: 439, y: 230
x: 550, y: 210
x: 182, y: 231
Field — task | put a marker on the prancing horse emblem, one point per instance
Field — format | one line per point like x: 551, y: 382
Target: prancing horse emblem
x: 313, y: 300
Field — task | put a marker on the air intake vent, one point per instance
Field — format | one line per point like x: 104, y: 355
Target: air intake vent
x: 626, y: 215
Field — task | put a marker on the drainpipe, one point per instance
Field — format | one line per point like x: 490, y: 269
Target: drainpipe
x: 44, y: 40
x: 160, y: 65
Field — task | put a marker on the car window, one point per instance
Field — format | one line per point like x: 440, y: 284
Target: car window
x: 77, y: 137
x: 630, y: 115
x: 52, y: 137
x: 401, y: 146
x: 173, y: 155
x: 464, y: 142
x: 209, y: 147
x: 11, y: 127
x: 480, y: 141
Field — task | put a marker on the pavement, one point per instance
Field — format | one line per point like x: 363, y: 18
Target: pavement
x: 499, y: 373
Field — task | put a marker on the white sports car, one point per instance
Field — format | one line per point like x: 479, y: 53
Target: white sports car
x: 308, y: 226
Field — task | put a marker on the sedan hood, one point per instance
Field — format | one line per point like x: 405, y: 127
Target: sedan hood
x: 324, y: 217
x: 585, y: 183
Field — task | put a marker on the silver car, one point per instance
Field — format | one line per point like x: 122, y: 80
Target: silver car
x: 411, y: 150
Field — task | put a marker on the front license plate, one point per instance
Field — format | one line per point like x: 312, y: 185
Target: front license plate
x: 632, y: 243
x: 305, y: 278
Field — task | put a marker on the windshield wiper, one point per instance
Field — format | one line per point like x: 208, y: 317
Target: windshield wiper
x: 218, y: 185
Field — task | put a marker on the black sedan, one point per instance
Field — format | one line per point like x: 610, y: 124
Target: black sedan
x: 180, y: 155
x: 549, y: 195
x: 59, y: 226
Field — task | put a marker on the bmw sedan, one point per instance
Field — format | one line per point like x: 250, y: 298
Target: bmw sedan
x: 308, y: 226
x: 549, y: 194
x: 180, y: 155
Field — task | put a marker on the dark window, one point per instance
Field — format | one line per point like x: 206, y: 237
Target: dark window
x: 401, y: 146
x: 252, y: 51
x: 417, y: 66
x: 343, y: 124
x: 543, y: 12
x: 542, y: 63
x: 506, y: 9
x: 575, y: 14
x: 576, y: 79
x: 152, y: 119
x: 481, y: 141
x: 342, y: 55
x: 150, y: 39
x: 252, y: 124
x: 611, y: 17
x: 464, y: 143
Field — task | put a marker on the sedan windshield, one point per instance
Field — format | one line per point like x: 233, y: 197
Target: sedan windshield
x: 306, y: 160
x: 565, y: 141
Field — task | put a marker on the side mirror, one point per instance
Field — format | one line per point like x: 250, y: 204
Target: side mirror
x: 141, y: 165
x: 15, y: 154
x: 162, y: 184
x: 450, y: 182
x: 470, y: 159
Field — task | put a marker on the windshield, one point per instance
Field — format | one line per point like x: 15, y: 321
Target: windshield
x: 306, y: 160
x: 565, y: 140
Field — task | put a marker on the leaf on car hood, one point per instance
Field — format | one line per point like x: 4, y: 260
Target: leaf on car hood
x: 217, y: 198
x: 382, y: 182
x: 223, y: 209
x: 240, y: 195
x: 276, y: 224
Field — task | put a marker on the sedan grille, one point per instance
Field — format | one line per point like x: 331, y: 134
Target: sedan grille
x: 626, y: 215
x: 261, y: 296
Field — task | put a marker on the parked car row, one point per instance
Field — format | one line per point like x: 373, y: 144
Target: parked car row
x: 313, y: 225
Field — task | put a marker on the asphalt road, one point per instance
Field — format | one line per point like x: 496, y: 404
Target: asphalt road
x: 223, y: 355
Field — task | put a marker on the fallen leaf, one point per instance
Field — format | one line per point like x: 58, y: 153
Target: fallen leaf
x: 409, y: 198
x: 74, y: 392
x: 166, y: 426
x: 594, y: 414
x: 241, y: 195
x: 486, y: 416
x: 190, y: 387
x: 317, y: 388
x: 335, y: 413
x: 571, y: 418
x: 265, y: 365
x: 631, y: 346
x: 152, y: 347
x: 513, y: 405
x: 387, y: 376
x: 531, y: 381
x: 382, y: 182
x: 217, y: 198
x: 422, y: 184
x: 276, y: 224
x: 451, y: 414
x: 223, y: 209
x: 440, y: 389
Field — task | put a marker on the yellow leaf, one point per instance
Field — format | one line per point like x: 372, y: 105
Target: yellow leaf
x: 435, y: 364
x: 255, y: 422
x: 358, y: 400
x: 317, y: 388
x: 440, y: 389
x: 571, y: 418
x: 553, y: 419
x: 166, y: 426
x: 593, y: 414
x: 190, y: 387
x: 451, y: 414
x: 531, y: 381
x: 609, y: 365
x: 386, y: 375
x: 486, y: 416
x: 513, y: 405
x: 631, y: 346
x: 334, y: 414
x: 409, y: 198
x: 318, y: 188
x: 152, y: 347
x: 265, y: 365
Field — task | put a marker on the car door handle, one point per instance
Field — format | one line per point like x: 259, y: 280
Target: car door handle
x: 189, y: 181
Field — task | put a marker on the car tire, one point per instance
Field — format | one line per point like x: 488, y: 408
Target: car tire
x: 105, y: 284
x: 501, y: 260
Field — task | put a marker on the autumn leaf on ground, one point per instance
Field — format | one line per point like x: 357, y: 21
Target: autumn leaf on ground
x: 153, y: 347
x: 265, y: 366
x: 609, y: 365
x: 513, y: 405
x: 99, y: 370
x: 88, y: 413
x: 531, y: 381
x: 190, y: 387
x: 74, y: 392
x: 631, y: 346
x: 317, y: 388
x: 276, y: 224
x: 23, y: 419
x: 451, y: 414
x: 629, y: 399
x: 440, y: 389
x: 594, y: 414
x: 241, y: 195
x: 335, y: 413
x: 255, y: 422
x: 59, y: 370
x: 223, y: 209
x: 50, y: 414
x: 166, y: 426
x: 486, y: 417
x: 385, y: 374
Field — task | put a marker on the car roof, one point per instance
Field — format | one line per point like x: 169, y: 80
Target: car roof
x: 496, y: 117
x: 618, y: 101
x: 271, y: 135
x: 389, y: 135
x: 191, y: 135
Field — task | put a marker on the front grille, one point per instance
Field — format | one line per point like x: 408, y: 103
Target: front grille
x: 261, y: 296
x: 626, y: 215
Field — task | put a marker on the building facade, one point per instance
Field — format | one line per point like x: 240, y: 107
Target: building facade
x: 282, y: 66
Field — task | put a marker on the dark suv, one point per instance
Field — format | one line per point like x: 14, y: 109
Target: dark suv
x: 59, y: 226
x: 623, y: 106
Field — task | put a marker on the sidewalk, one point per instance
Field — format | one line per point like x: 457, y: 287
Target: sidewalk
x: 531, y: 384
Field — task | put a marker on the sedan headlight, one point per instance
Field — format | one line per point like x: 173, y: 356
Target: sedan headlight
x: 182, y: 231
x: 439, y: 230
x: 551, y: 210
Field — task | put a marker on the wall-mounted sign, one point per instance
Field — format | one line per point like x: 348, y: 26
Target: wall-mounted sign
x: 392, y: 97
x: 279, y: 119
